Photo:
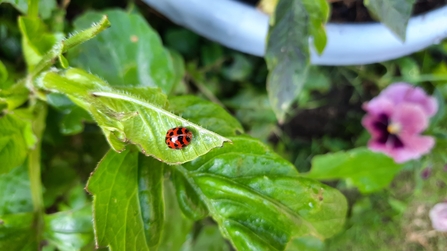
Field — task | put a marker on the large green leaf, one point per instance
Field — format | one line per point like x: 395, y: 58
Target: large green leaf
x: 287, y: 55
x: 16, y: 137
x: 369, y: 171
x: 134, y: 115
x: 176, y: 226
x: 258, y: 198
x: 150, y: 193
x: 69, y: 230
x: 128, y: 208
x: 15, y: 196
x: 17, y: 232
x: 130, y: 53
x: 393, y: 13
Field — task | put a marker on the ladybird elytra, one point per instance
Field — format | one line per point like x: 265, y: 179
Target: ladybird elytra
x: 178, y: 137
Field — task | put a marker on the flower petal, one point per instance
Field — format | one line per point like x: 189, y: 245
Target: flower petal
x: 438, y: 217
x: 413, y: 148
x: 403, y: 92
x: 368, y: 122
x: 410, y: 117
x: 378, y: 106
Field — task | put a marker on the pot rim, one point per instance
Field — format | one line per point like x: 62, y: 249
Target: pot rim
x: 244, y: 28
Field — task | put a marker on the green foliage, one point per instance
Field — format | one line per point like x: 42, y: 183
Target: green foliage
x: 287, y: 52
x: 17, y: 232
x: 15, y: 140
x: 209, y: 238
x: 287, y: 55
x: 117, y: 226
x: 367, y: 170
x: 45, y: 7
x: 269, y: 188
x: 36, y: 40
x: 140, y: 60
x: 14, y: 96
x: 69, y: 230
x: 126, y: 115
x: 16, y: 195
x: 393, y: 13
x: 68, y: 100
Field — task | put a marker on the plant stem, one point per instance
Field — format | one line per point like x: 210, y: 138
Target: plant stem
x: 34, y: 170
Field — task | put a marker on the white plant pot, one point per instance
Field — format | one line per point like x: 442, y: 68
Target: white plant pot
x: 244, y: 28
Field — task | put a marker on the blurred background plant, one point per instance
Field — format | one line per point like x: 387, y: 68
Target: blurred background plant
x: 324, y: 117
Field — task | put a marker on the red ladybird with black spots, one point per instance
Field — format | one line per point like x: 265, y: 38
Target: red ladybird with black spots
x: 178, y: 137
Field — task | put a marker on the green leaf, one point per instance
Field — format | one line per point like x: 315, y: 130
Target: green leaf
x: 17, y: 232
x: 117, y: 214
x: 211, y: 54
x: 191, y: 204
x: 16, y: 137
x: 239, y: 69
x: 74, y: 117
x: 15, y: 196
x: 209, y: 238
x: 3, y: 75
x: 69, y: 230
x: 367, y: 170
x: 206, y: 114
x: 287, y: 55
x: 305, y: 243
x: 182, y: 40
x: 150, y: 193
x: 130, y: 53
x: 257, y: 198
x: 14, y: 96
x: 73, y: 121
x: 318, y: 12
x: 134, y: 115
x: 36, y: 40
x: 57, y: 178
x: 257, y: 110
x: 176, y: 225
x: 393, y: 13
x: 179, y: 68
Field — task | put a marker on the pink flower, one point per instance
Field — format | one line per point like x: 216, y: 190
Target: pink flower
x: 396, y: 118
x: 438, y: 217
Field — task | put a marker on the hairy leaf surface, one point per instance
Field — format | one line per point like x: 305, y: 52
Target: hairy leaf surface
x: 136, y: 115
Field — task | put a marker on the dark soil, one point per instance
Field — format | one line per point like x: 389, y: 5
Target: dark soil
x: 343, y: 11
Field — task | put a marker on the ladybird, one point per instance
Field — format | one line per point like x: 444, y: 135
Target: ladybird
x: 179, y: 137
